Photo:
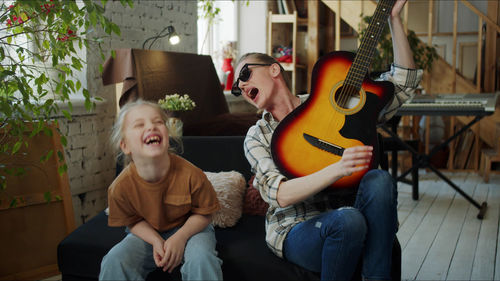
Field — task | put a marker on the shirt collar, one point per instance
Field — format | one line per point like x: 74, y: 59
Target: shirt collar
x: 266, y: 115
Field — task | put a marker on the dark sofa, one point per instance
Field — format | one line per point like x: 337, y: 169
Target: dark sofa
x: 241, y: 247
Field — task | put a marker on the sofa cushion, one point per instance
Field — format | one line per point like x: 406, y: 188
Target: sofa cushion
x: 216, y: 153
x: 246, y: 256
x: 253, y: 204
x: 230, y: 188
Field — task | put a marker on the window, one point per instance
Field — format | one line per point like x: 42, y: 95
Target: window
x: 223, y: 29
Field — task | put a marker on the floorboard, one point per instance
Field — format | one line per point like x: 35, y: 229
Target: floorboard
x: 484, y: 258
x: 463, y: 258
x: 438, y: 259
x: 440, y: 234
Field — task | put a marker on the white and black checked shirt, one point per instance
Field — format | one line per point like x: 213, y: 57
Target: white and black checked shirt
x: 257, y: 148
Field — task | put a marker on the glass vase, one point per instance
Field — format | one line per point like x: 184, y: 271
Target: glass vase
x: 175, y: 126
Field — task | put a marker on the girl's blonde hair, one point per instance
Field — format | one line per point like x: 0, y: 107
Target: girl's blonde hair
x: 117, y: 130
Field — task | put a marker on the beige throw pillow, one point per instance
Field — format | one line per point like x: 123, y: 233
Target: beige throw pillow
x: 230, y: 188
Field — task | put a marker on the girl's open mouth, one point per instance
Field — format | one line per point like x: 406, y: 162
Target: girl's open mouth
x: 152, y: 139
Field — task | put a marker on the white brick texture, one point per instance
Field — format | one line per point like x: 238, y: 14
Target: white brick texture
x: 90, y: 158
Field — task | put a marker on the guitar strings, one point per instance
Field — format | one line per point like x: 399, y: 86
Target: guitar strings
x: 359, y: 68
x: 360, y: 65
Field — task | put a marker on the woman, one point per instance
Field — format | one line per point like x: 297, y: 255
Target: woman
x: 305, y: 224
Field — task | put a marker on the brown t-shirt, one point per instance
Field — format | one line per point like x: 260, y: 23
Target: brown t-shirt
x: 165, y: 204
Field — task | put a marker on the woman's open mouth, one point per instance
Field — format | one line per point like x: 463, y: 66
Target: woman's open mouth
x: 253, y: 93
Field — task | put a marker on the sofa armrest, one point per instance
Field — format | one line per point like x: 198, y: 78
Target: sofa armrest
x: 81, y: 252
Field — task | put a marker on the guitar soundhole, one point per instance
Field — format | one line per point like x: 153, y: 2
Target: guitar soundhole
x: 347, y: 97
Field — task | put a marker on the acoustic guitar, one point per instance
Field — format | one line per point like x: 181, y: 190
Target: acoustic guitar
x: 341, y: 111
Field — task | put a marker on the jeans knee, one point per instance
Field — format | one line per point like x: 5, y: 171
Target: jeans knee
x: 379, y: 176
x: 380, y: 185
x: 203, y: 258
x: 116, y: 258
x: 355, y: 223
x: 205, y: 265
x: 107, y: 261
x: 350, y: 223
x: 112, y: 265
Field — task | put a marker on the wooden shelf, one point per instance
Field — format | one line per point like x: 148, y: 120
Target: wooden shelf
x: 278, y: 18
x: 295, y: 21
x: 288, y: 66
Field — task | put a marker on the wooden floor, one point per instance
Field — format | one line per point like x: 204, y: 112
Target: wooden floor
x: 440, y: 235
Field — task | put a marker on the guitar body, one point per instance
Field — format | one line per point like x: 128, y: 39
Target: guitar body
x: 329, y: 117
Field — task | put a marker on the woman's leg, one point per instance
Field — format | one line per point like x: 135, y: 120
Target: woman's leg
x: 330, y: 243
x: 200, y: 257
x: 130, y: 259
x: 377, y: 200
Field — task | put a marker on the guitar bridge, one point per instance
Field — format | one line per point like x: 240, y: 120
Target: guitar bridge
x: 324, y: 145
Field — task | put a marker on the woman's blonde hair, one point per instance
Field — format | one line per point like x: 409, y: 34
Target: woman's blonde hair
x: 265, y: 58
x: 117, y: 130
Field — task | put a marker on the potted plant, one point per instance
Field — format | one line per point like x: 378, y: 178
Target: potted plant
x: 423, y: 55
x: 173, y: 104
x: 40, y: 42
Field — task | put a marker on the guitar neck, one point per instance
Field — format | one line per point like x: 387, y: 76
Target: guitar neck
x: 364, y: 56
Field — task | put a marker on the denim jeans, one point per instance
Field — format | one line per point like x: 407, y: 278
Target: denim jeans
x: 333, y: 242
x: 132, y: 258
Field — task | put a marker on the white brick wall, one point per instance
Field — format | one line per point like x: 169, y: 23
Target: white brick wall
x: 91, y: 161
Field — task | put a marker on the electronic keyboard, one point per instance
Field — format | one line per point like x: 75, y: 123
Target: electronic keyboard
x: 450, y: 104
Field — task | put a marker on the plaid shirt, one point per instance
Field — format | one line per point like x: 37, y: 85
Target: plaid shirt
x: 257, y: 148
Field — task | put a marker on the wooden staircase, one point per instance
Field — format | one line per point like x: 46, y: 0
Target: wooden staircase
x: 444, y: 77
x: 351, y: 10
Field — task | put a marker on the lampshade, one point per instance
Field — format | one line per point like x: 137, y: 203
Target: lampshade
x: 169, y: 31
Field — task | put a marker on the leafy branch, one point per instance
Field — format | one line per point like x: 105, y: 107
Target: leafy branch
x: 40, y: 41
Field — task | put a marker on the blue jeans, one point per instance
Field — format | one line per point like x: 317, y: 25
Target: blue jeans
x: 132, y: 258
x: 333, y: 242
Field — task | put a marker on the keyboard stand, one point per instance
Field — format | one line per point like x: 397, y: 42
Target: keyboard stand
x: 423, y: 160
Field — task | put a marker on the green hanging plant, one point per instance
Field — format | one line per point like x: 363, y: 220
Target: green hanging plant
x: 39, y: 44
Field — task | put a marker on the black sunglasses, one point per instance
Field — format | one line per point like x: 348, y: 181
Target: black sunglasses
x: 244, y: 76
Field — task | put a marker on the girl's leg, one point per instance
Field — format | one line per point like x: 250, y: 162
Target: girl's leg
x: 200, y: 257
x: 130, y: 259
x: 330, y: 243
x: 377, y: 200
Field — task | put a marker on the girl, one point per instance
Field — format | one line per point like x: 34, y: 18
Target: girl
x: 165, y: 202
